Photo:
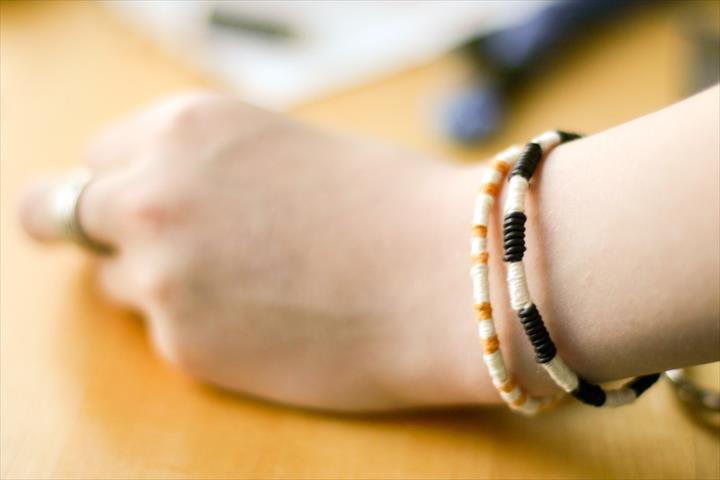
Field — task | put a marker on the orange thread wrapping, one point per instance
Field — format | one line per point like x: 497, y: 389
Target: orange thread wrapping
x: 490, y: 189
x: 508, y: 385
x: 521, y: 399
x: 491, y: 345
x: 481, y: 258
x: 480, y: 231
x: 484, y: 311
x: 501, y: 166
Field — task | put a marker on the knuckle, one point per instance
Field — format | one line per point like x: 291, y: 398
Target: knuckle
x: 157, y: 285
x: 183, y: 112
x: 191, y: 97
x: 150, y: 206
x: 180, y: 119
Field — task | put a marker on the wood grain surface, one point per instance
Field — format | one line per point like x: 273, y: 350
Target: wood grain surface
x: 84, y: 396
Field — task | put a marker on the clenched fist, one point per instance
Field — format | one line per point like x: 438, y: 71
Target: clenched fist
x: 278, y: 260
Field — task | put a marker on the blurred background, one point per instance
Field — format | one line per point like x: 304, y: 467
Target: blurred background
x: 83, y: 395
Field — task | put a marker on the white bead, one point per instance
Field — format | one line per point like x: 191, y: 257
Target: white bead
x: 486, y: 329
x: 561, y: 374
x: 479, y: 270
x: 483, y: 204
x: 509, y: 155
x: 477, y: 245
x: 515, y: 200
x: 491, y: 176
x: 480, y: 283
x: 496, y: 367
x: 547, y: 140
x: 517, y: 286
x: 512, y: 395
x: 621, y: 396
x: 529, y: 407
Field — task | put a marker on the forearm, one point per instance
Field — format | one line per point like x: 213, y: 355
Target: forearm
x: 313, y: 269
x: 623, y: 248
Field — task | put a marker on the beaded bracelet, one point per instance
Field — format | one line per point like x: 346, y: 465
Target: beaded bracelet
x: 512, y: 393
x: 514, y: 248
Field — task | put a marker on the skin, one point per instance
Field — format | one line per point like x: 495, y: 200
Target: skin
x: 330, y: 272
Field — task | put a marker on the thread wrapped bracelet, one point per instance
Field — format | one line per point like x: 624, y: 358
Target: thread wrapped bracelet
x: 511, y: 392
x: 530, y: 318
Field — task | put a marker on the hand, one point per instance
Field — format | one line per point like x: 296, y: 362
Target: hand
x: 277, y: 260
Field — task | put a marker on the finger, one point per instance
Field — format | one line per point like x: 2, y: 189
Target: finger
x: 116, y: 145
x: 100, y: 207
x: 137, y: 277
x: 116, y: 282
x: 36, y: 209
x: 40, y: 218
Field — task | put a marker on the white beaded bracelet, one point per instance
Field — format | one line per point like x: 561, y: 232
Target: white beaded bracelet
x: 512, y: 393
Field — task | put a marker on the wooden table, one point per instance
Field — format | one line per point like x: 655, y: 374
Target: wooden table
x: 83, y: 395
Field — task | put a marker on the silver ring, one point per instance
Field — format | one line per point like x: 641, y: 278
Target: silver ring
x: 65, y: 210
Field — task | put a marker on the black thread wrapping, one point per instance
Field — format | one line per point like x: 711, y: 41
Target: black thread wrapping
x: 589, y: 393
x: 640, y: 384
x: 538, y: 335
x: 528, y: 161
x: 514, y: 236
x: 514, y: 247
x: 568, y: 136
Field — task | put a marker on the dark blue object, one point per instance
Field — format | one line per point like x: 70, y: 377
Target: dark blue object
x: 475, y: 114
x: 511, y: 56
